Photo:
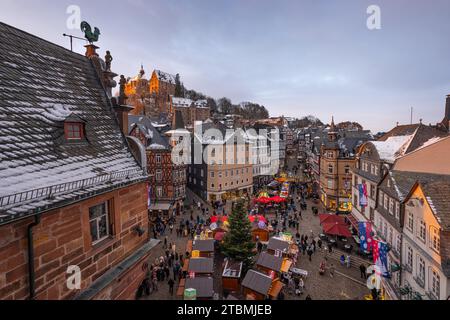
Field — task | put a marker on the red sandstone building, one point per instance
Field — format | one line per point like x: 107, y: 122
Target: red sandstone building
x: 71, y: 192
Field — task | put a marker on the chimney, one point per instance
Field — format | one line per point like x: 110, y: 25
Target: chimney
x: 121, y: 112
x: 91, y: 50
x: 447, y: 108
x: 446, y: 121
x: 120, y: 107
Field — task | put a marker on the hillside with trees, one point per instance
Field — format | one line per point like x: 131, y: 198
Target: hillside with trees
x: 222, y: 106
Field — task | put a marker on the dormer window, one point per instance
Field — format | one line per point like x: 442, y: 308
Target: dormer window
x: 74, y: 131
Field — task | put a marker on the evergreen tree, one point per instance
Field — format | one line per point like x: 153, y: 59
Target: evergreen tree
x: 238, y: 244
x: 178, y: 87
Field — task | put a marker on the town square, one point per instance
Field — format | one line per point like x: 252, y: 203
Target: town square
x: 226, y: 151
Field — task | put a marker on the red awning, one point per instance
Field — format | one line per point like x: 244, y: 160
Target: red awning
x: 336, y: 229
x: 331, y: 218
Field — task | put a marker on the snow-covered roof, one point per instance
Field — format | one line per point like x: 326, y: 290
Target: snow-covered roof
x: 165, y: 77
x: 201, y: 104
x: 181, y: 102
x: 42, y: 85
x: 393, y: 147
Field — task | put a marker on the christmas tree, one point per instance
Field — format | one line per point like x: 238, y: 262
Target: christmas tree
x: 238, y: 244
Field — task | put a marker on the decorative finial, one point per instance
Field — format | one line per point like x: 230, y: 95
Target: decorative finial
x: 88, y: 34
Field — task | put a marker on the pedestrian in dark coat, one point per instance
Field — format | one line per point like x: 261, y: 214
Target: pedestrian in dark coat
x: 363, y: 270
x: 171, y: 285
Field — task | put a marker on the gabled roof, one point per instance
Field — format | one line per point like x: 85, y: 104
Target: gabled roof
x: 203, y: 285
x: 269, y: 261
x: 257, y: 282
x: 437, y: 192
x: 42, y: 85
x: 155, y: 138
x: 201, y: 265
x: 277, y: 244
x: 203, y: 245
x: 421, y: 135
x: 393, y: 147
x: 165, y: 77
x: 181, y: 102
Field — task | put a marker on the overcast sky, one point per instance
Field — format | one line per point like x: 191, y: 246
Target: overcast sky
x: 295, y: 57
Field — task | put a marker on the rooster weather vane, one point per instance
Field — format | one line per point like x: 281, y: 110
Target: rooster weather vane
x: 88, y: 34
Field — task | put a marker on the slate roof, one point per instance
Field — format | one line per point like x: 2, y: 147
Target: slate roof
x: 421, y: 135
x: 201, y: 265
x: 269, y: 261
x: 437, y: 193
x: 257, y: 282
x: 154, y: 136
x: 276, y: 244
x: 204, y: 286
x: 41, y: 85
x: 165, y: 77
x: 437, y: 190
x: 203, y: 245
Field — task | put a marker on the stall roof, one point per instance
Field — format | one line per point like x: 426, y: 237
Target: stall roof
x: 257, y: 282
x: 232, y: 269
x: 269, y: 261
x: 201, y: 265
x: 203, y: 245
x: 204, y: 286
x: 276, y: 244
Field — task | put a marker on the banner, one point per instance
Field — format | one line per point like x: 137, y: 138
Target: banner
x: 363, y: 201
x: 380, y: 251
x: 365, y: 236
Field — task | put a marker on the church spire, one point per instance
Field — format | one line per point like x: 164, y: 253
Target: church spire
x: 332, y: 134
x: 142, y: 71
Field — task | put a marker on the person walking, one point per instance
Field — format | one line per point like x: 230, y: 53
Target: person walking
x: 310, y: 253
x: 171, y: 285
x: 349, y: 262
x: 363, y: 271
x: 342, y: 259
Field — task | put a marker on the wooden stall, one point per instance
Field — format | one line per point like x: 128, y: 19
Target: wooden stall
x: 258, y: 286
x: 205, y: 247
x: 231, y: 276
x: 200, y: 267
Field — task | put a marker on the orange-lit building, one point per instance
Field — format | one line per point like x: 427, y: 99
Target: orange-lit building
x: 152, y: 97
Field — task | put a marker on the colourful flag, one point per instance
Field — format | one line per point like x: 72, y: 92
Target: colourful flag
x: 365, y: 236
x: 362, y: 195
x: 380, y: 251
